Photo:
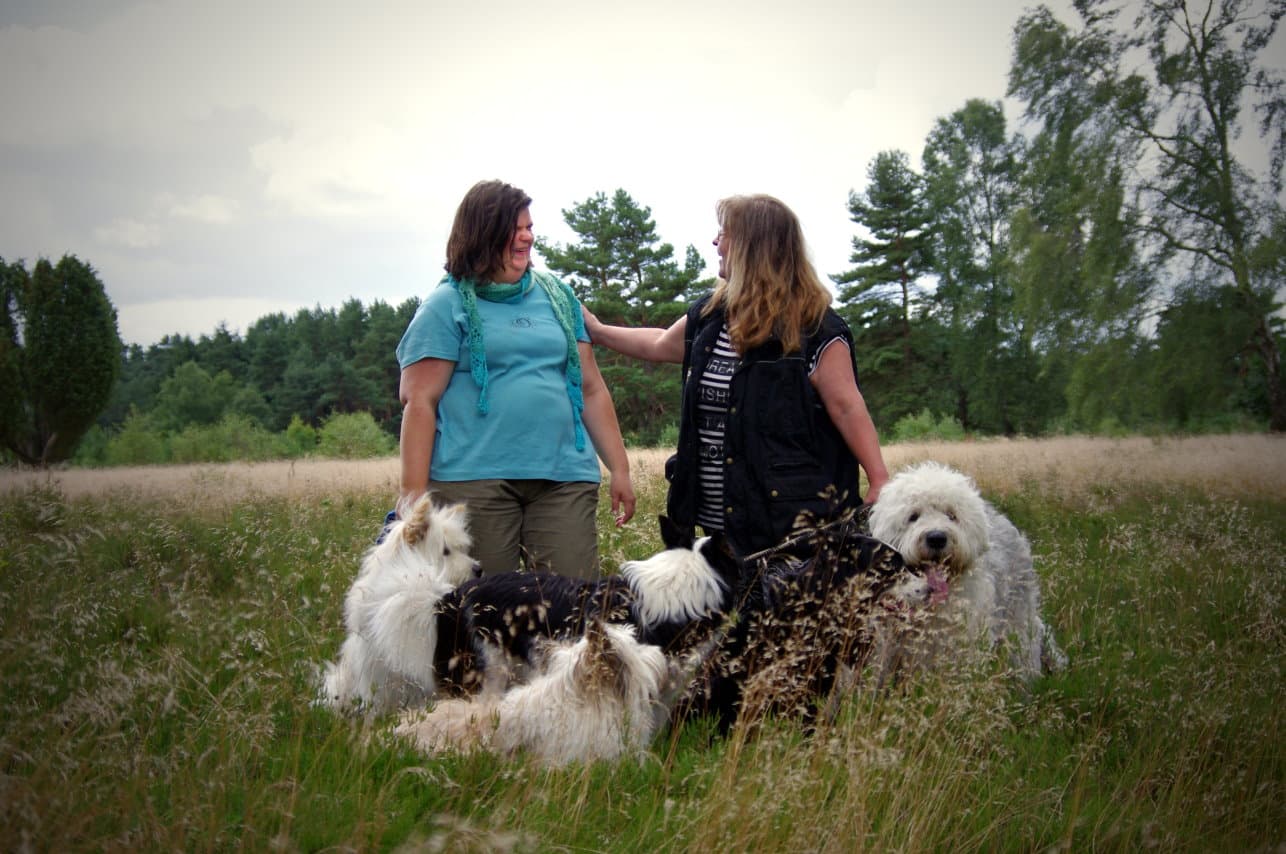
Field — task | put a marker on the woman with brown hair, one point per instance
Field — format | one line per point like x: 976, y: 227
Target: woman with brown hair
x: 504, y: 408
x: 772, y: 421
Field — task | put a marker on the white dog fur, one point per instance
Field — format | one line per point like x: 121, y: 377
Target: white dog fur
x: 597, y: 697
x: 932, y: 513
x: 386, y: 660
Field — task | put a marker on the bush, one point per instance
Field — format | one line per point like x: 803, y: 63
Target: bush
x: 669, y: 437
x: 300, y: 439
x: 92, y: 450
x: 136, y: 444
x: 353, y: 435
x: 925, y: 427
x: 234, y: 437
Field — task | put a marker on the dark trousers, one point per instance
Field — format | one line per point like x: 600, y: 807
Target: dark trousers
x: 540, y: 525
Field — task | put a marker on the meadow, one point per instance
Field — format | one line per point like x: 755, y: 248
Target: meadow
x: 161, y: 631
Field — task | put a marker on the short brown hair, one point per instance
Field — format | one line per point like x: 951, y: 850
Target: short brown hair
x: 484, y: 224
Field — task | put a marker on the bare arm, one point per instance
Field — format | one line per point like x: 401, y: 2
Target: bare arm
x: 652, y: 344
x: 421, y: 388
x: 833, y: 378
x: 605, y: 431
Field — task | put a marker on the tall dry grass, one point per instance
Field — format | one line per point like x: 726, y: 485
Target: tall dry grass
x: 161, y: 630
x: 1213, y: 465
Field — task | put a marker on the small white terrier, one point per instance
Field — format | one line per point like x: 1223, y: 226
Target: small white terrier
x: 387, y: 659
x: 933, y: 514
x: 597, y: 697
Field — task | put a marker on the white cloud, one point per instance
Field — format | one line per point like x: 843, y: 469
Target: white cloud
x: 213, y: 210
x: 292, y: 153
x: 148, y: 322
x: 128, y: 233
x: 344, y: 173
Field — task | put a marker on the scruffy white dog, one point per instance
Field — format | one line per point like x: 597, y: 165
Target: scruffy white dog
x: 933, y: 514
x: 596, y: 697
x: 387, y: 659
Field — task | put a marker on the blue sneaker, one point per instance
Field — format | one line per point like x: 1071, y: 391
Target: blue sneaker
x: 389, y: 519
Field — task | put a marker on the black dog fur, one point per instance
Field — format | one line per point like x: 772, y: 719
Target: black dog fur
x: 504, y: 616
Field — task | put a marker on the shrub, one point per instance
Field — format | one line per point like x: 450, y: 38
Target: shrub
x: 353, y: 435
x: 234, y: 437
x: 669, y: 436
x: 92, y: 450
x: 300, y: 439
x: 925, y: 427
x: 137, y: 443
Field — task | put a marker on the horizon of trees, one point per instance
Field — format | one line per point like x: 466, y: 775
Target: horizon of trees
x: 1109, y: 266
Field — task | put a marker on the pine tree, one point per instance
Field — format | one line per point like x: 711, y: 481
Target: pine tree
x: 60, y: 354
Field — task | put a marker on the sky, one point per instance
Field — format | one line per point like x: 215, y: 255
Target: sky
x: 219, y: 161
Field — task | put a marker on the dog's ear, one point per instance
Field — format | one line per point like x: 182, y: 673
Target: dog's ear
x: 721, y: 556
x: 601, y: 662
x: 674, y: 536
x: 456, y: 511
x: 417, y: 524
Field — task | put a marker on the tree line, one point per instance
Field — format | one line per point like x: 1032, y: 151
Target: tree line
x: 1113, y: 264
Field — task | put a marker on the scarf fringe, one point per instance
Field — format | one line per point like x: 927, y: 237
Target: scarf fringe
x: 565, y: 306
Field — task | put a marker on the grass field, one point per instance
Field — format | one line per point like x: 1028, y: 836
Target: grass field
x: 160, y: 632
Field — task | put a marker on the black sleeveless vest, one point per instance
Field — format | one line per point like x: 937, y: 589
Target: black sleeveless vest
x: 782, y: 453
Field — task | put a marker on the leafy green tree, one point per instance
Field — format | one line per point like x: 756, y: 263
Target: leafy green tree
x: 60, y: 354
x: 191, y: 396
x: 971, y: 170
x: 881, y: 296
x: 13, y: 283
x: 301, y: 386
x: 893, y: 262
x: 375, y: 361
x: 1202, y: 372
x: 622, y: 273
x: 1178, y: 77
x: 619, y: 268
x: 223, y: 350
x: 1083, y: 283
x: 300, y: 438
x: 268, y: 348
x: 142, y: 372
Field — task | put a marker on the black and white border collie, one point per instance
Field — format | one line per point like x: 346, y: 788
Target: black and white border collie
x: 488, y: 628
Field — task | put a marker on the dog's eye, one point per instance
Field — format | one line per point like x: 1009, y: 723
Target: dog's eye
x: 446, y: 551
x: 914, y: 516
x: 952, y: 516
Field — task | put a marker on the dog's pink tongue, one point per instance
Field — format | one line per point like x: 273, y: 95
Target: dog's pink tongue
x: 938, y: 588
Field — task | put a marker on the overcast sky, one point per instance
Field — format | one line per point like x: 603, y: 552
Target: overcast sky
x: 218, y: 161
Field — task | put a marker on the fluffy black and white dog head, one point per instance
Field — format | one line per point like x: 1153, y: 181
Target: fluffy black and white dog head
x: 690, y: 579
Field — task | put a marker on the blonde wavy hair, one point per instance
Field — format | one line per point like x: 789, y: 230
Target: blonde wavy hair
x: 771, y: 286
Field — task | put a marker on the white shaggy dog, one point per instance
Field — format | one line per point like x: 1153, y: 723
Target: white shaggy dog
x: 387, y: 658
x: 933, y: 514
x: 596, y: 697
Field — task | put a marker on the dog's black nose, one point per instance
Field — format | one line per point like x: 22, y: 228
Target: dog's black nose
x: 477, y: 569
x: 936, y: 540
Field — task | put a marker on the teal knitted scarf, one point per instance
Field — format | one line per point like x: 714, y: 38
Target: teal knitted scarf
x: 565, y: 308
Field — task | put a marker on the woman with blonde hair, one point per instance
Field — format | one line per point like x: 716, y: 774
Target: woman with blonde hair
x: 772, y: 422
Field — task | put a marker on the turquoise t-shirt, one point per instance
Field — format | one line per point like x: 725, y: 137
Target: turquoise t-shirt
x: 528, y: 431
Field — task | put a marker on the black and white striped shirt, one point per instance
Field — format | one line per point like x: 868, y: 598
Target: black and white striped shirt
x: 712, y: 423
